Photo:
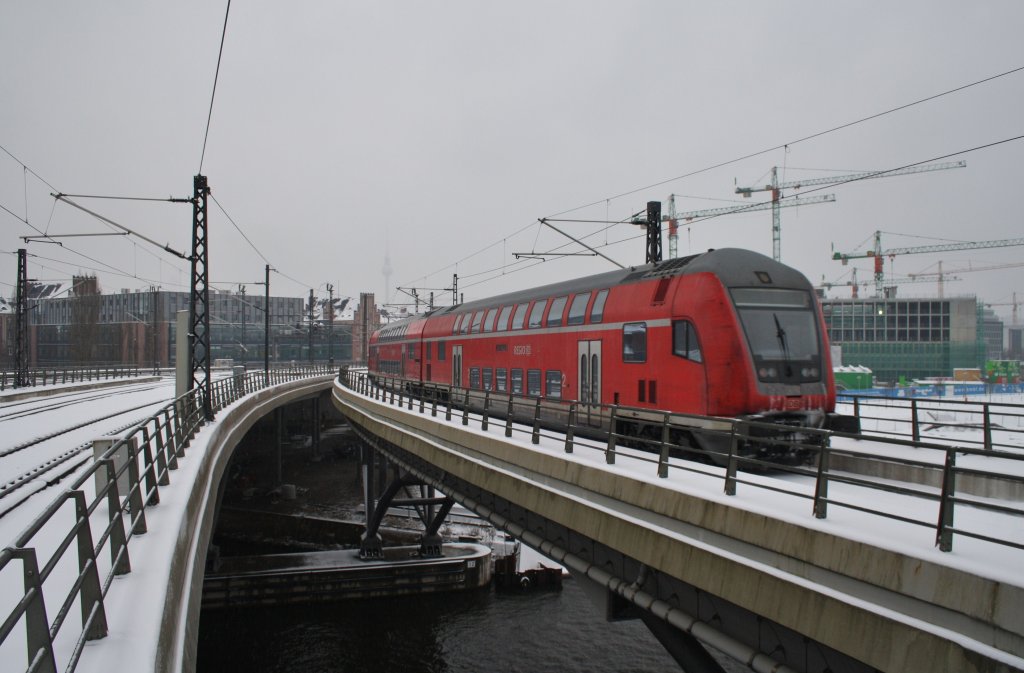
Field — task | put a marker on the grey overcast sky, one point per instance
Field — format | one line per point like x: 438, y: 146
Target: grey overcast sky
x: 439, y: 132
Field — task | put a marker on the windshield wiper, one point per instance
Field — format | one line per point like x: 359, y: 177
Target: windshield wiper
x: 780, y: 334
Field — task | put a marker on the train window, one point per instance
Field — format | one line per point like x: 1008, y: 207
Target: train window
x: 553, y: 383
x: 477, y: 320
x: 501, y: 379
x: 578, y: 309
x: 557, y: 309
x: 474, y: 377
x: 684, y: 341
x: 537, y: 313
x: 597, y: 311
x: 634, y: 342
x: 412, y: 351
x: 503, y: 318
x: 520, y: 317
x: 428, y: 350
x: 533, y: 382
x: 492, y: 317
x: 440, y: 350
x: 458, y: 322
x: 488, y: 378
x: 517, y: 381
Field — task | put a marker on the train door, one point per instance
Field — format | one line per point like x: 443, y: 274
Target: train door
x: 457, y: 366
x: 588, y: 381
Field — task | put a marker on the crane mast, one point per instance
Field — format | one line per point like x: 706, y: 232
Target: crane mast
x: 878, y: 254
x: 775, y: 187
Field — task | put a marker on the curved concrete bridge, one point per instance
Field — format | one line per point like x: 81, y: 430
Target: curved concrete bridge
x: 778, y: 594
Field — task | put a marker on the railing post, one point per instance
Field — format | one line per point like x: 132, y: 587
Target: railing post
x: 487, y: 410
x: 121, y: 563
x: 570, y: 428
x: 732, y: 463
x: 410, y: 399
x: 136, y: 507
x: 609, y: 452
x: 663, y: 456
x: 944, y: 530
x: 914, y: 424
x: 423, y: 400
x: 40, y: 644
x: 91, y: 593
x: 821, y: 485
x: 856, y: 409
x: 433, y: 402
x: 987, y: 426
x: 535, y: 436
x: 508, y: 417
x: 448, y: 405
x: 465, y: 408
x: 152, y: 485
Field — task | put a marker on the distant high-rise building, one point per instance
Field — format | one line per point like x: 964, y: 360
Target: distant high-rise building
x: 387, y: 272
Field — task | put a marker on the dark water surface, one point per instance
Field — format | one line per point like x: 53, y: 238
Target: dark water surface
x: 474, y: 631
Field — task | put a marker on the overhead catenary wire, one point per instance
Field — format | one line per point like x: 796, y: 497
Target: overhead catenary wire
x: 213, y: 94
x: 744, y: 157
x: 493, y: 272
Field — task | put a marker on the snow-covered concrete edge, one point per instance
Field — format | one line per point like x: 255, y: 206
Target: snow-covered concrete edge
x: 153, y: 612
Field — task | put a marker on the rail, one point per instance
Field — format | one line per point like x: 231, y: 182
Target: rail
x: 59, y: 551
x: 658, y: 443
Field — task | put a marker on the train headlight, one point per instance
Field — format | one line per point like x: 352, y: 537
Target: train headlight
x: 766, y: 373
x: 809, y: 372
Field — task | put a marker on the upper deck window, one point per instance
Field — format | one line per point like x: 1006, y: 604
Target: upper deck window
x: 477, y: 320
x: 597, y: 311
x: 520, y: 317
x: 537, y: 313
x: 578, y: 309
x: 503, y: 318
x: 557, y: 309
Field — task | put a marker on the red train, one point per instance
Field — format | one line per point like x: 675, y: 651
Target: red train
x: 728, y: 333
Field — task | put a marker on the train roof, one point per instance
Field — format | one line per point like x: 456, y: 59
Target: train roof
x: 734, y: 266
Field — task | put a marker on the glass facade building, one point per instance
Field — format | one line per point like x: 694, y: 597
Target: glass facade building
x: 907, y: 338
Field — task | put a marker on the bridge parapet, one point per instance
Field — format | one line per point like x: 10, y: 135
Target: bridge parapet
x: 57, y: 575
x: 886, y: 605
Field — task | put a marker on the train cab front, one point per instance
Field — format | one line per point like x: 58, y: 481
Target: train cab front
x: 791, y: 393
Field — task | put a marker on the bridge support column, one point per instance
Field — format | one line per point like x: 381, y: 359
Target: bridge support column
x: 370, y: 546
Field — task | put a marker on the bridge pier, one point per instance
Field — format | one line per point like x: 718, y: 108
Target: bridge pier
x: 371, y: 545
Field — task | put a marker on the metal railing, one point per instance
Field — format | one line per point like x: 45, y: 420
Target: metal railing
x: 60, y: 551
x: 659, y: 444
x: 1001, y: 424
x: 43, y: 376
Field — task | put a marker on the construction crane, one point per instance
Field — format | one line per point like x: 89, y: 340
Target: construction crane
x: 775, y: 187
x: 673, y: 217
x: 1015, y: 304
x: 946, y: 275
x: 878, y: 254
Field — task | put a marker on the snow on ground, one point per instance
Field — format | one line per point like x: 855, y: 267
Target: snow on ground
x: 133, y: 630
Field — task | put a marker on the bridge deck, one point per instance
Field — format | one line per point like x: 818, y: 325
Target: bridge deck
x: 875, y: 588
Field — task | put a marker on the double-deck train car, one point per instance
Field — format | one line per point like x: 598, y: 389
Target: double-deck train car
x: 727, y: 333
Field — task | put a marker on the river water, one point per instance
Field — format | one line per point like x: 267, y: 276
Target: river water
x: 482, y: 630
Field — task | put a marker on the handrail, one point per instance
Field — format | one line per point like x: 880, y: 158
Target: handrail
x: 522, y: 413
x: 82, y: 566
x: 1000, y: 422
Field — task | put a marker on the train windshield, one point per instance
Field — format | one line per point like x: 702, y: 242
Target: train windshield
x: 782, y: 330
